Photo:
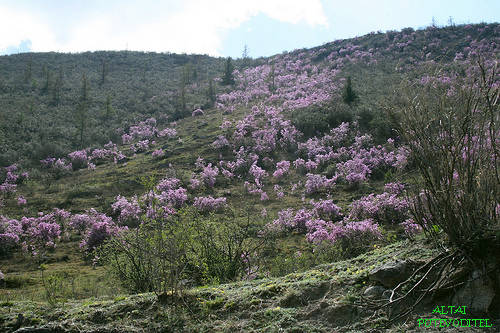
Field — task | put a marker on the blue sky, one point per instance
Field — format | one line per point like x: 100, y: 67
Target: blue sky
x: 217, y: 27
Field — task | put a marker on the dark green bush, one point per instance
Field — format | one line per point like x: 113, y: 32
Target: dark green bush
x: 163, y: 255
x: 319, y: 119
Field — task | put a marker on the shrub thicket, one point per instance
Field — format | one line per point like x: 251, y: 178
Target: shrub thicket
x: 188, y: 248
x: 452, y: 125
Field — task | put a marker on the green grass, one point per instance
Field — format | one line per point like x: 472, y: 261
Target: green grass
x: 318, y: 300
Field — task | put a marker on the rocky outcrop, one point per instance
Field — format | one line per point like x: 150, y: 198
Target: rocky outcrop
x: 477, y: 294
x: 391, y: 273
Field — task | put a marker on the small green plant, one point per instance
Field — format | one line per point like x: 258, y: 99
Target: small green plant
x: 55, y: 286
x: 349, y: 96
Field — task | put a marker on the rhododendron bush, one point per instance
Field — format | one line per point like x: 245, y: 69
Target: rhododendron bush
x: 453, y: 130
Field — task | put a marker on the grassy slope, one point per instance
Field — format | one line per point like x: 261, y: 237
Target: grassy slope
x: 324, y: 299
x: 318, y: 300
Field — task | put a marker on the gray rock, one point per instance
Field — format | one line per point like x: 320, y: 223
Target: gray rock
x: 374, y: 291
x: 341, y: 314
x: 390, y: 274
x: 477, y: 294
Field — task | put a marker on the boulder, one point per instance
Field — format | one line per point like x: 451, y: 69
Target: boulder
x: 341, y: 314
x: 390, y: 274
x: 477, y: 294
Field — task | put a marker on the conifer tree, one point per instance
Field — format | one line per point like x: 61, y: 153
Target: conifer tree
x: 56, y: 88
x: 108, y: 108
x: 187, y: 73
x: 245, y: 57
x: 271, y: 80
x: 82, y: 109
x: 228, y: 78
x: 349, y: 95
x: 28, y: 71
x: 211, y: 93
x: 47, y: 75
x: 104, y: 71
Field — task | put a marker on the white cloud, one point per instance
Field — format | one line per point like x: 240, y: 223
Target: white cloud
x: 192, y: 26
x: 16, y: 26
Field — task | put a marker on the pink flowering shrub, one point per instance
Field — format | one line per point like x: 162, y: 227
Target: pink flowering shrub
x: 346, y: 231
x: 144, y: 129
x: 257, y: 172
x: 21, y: 201
x: 41, y: 235
x: 129, y: 210
x: 354, y: 171
x: 317, y: 183
x: 159, y: 212
x: 61, y: 167
x: 385, y: 208
x: 140, y: 146
x: 168, y: 184
x: 11, y: 168
x: 326, y: 209
x: 168, y: 132
x: 80, y: 222
x: 194, y: 183
x: 221, y: 142
x: 11, y: 177
x: 126, y: 138
x: 79, y: 159
x: 11, y: 232
x: 206, y: 204
x: 410, y: 227
x: 281, y: 169
x: 97, y: 234
x: 279, y: 191
x: 209, y: 174
x: 109, y: 152
x: 48, y: 162
x: 38, y: 234
x: 7, y: 188
x: 173, y: 197
x: 227, y: 174
x: 158, y: 153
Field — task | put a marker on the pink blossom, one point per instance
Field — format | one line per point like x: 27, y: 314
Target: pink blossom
x: 209, y: 203
x: 21, y: 200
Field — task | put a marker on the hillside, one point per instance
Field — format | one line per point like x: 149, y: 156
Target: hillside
x: 40, y: 94
x: 284, y: 172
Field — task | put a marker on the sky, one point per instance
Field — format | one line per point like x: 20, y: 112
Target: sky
x: 217, y: 27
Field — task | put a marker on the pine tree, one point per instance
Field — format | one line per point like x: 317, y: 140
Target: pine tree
x: 104, y: 71
x: 271, y: 80
x: 108, y: 108
x: 28, y: 71
x: 56, y: 88
x: 349, y: 95
x: 47, y: 75
x: 187, y: 73
x: 228, y: 78
x: 82, y: 108
x: 245, y: 57
x: 211, y: 93
x: 180, y: 102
